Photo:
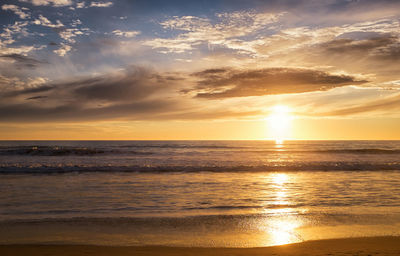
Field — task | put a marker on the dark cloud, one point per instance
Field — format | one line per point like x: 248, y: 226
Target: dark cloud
x: 111, y: 96
x: 36, y: 97
x: 78, y: 112
x: 125, y: 86
x: 42, y: 88
x: 391, y: 53
x: 118, y: 88
x: 385, y: 47
x: 135, y: 84
x: 347, y: 45
x: 225, y: 83
x: 135, y: 94
x: 211, y: 71
x: 160, y: 109
x: 23, y: 61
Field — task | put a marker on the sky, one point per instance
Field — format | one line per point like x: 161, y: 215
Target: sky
x: 200, y: 69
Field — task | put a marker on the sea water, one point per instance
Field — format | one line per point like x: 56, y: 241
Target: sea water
x: 197, y: 193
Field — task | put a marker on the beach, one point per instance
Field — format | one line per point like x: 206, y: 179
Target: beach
x: 350, y: 246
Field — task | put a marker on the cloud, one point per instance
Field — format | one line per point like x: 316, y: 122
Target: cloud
x: 132, y: 111
x: 308, y: 39
x: 14, y: 86
x: 137, y: 84
x: 43, y: 21
x: 125, y: 95
x: 70, y: 33
x: 17, y: 10
x: 76, y: 22
x: 26, y: 90
x: 151, y: 110
x: 143, y: 94
x: 390, y: 52
x: 80, y: 5
x: 375, y: 55
x: 63, y: 50
x: 225, y: 30
x: 134, y: 94
x: 18, y: 29
x: 9, y: 83
x: 23, y: 49
x: 36, y: 97
x: 128, y: 34
x: 226, y: 83
x: 386, y: 46
x: 55, y: 3
x: 101, y: 4
x: 240, y: 51
x: 22, y: 61
x: 388, y: 104
x: 257, y: 34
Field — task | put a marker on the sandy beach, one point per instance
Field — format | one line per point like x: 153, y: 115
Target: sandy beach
x: 348, y: 246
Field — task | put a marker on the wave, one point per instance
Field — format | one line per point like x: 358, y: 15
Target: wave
x: 123, y: 150
x: 63, y: 151
x: 373, y: 151
x: 239, y: 207
x: 154, y: 220
x: 183, y: 146
x: 203, y: 219
x: 357, y: 151
x: 273, y: 167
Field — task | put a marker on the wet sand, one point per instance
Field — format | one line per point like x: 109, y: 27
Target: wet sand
x: 347, y: 246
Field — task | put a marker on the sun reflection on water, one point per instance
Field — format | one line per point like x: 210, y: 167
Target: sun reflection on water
x: 284, y: 232
x: 279, y: 179
x: 281, y: 227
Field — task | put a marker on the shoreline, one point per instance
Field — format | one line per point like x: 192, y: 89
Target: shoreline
x: 388, y: 245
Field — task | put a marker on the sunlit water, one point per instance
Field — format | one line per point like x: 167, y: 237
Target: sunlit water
x: 194, y: 193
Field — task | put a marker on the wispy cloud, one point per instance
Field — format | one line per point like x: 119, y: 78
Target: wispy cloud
x: 225, y: 31
x: 80, y: 5
x: 9, y: 35
x: 22, y: 60
x: 43, y: 21
x: 128, y: 34
x: 101, y: 4
x: 17, y: 10
x: 11, y: 31
x: 56, y: 3
x: 63, y: 50
x: 70, y: 33
x: 384, y: 105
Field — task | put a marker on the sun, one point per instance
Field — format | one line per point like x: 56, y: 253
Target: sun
x: 279, y: 122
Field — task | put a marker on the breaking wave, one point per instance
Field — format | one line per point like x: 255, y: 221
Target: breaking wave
x: 308, y: 166
x: 63, y: 151
x: 152, y: 149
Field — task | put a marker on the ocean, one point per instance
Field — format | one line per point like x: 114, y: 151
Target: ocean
x: 197, y: 193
